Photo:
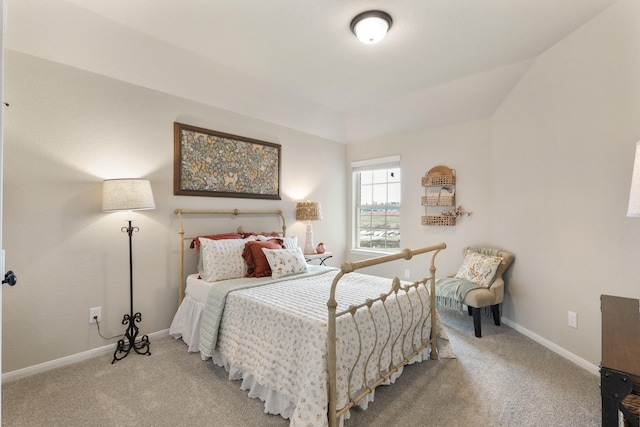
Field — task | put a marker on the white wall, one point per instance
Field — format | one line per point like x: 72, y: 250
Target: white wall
x: 562, y: 156
x: 547, y: 177
x: 464, y: 147
x: 65, y: 132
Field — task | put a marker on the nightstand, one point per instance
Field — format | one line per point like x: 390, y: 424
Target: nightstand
x: 322, y: 257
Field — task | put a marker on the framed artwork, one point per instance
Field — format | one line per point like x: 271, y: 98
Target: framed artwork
x: 216, y: 164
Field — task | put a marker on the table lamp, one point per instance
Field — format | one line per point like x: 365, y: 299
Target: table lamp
x: 308, y: 211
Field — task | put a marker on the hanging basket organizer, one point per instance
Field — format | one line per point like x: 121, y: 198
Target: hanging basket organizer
x: 439, y: 176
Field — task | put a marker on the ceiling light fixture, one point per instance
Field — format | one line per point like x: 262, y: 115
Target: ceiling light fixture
x: 370, y: 27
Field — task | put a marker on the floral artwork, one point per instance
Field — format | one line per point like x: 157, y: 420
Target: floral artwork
x: 209, y: 163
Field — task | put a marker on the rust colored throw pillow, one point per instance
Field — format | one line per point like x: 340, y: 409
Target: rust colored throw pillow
x: 195, y: 243
x: 257, y: 264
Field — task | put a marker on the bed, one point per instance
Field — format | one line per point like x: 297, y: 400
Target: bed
x: 311, y: 344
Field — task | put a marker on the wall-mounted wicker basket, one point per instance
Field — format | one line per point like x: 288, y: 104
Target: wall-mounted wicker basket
x: 438, y: 220
x: 438, y: 180
x: 436, y: 199
x: 439, y: 176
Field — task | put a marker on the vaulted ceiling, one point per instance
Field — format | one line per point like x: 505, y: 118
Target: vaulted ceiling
x: 296, y: 63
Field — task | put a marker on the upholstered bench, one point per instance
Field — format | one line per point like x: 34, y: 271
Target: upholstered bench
x: 479, y: 284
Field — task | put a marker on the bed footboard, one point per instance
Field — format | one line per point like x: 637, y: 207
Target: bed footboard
x: 418, y: 317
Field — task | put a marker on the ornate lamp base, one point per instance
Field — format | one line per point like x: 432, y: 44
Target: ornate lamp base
x: 128, y: 343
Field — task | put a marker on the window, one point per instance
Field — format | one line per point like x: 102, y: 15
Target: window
x: 377, y: 203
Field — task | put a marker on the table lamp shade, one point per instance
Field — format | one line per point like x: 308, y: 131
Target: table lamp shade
x: 634, y: 193
x: 127, y: 195
x: 308, y: 211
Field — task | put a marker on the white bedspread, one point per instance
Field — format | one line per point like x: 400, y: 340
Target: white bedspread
x: 277, y: 334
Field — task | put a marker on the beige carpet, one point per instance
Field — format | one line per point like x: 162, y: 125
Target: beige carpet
x: 502, y: 379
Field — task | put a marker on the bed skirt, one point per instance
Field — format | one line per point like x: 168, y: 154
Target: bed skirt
x: 186, y: 323
x: 275, y: 403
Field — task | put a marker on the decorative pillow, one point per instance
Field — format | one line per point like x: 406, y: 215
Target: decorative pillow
x: 285, y: 262
x: 478, y: 268
x: 257, y: 264
x: 288, y: 242
x: 222, y: 259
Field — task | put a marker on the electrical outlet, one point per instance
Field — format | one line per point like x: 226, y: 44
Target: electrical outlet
x: 573, y: 319
x: 95, y: 312
x: 407, y: 273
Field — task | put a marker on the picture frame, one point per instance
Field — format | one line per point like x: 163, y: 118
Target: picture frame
x: 216, y: 164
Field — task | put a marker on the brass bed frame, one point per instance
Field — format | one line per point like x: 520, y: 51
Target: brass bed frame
x: 418, y: 320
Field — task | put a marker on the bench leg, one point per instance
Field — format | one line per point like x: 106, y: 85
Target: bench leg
x: 495, y: 310
x: 476, y: 321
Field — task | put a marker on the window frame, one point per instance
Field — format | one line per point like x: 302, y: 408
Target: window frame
x: 357, y: 167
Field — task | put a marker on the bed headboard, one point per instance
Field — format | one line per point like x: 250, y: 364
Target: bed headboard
x: 205, y: 212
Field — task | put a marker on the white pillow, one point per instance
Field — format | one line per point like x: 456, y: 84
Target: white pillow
x: 478, y: 268
x: 285, y: 262
x: 222, y: 259
x: 290, y: 242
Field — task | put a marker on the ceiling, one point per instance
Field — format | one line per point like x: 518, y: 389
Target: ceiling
x: 296, y: 63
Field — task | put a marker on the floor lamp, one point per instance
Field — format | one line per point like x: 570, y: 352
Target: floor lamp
x: 128, y: 195
x: 308, y: 211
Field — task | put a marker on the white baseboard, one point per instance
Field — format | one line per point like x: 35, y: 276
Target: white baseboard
x: 553, y: 347
x: 75, y: 358
x: 68, y: 360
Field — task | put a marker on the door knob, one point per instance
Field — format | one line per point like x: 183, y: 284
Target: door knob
x: 10, y: 278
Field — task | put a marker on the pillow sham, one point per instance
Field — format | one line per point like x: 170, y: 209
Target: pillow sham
x: 257, y: 264
x: 285, y: 262
x: 195, y: 243
x: 478, y: 268
x: 222, y: 259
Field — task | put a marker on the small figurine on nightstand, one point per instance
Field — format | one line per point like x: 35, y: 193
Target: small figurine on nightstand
x: 320, y: 248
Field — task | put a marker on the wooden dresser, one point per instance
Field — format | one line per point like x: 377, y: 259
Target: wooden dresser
x: 620, y: 366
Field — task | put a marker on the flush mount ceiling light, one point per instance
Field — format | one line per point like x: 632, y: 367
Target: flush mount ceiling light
x: 370, y: 27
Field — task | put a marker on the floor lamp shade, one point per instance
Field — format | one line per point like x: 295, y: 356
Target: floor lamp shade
x: 634, y: 193
x: 128, y: 194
